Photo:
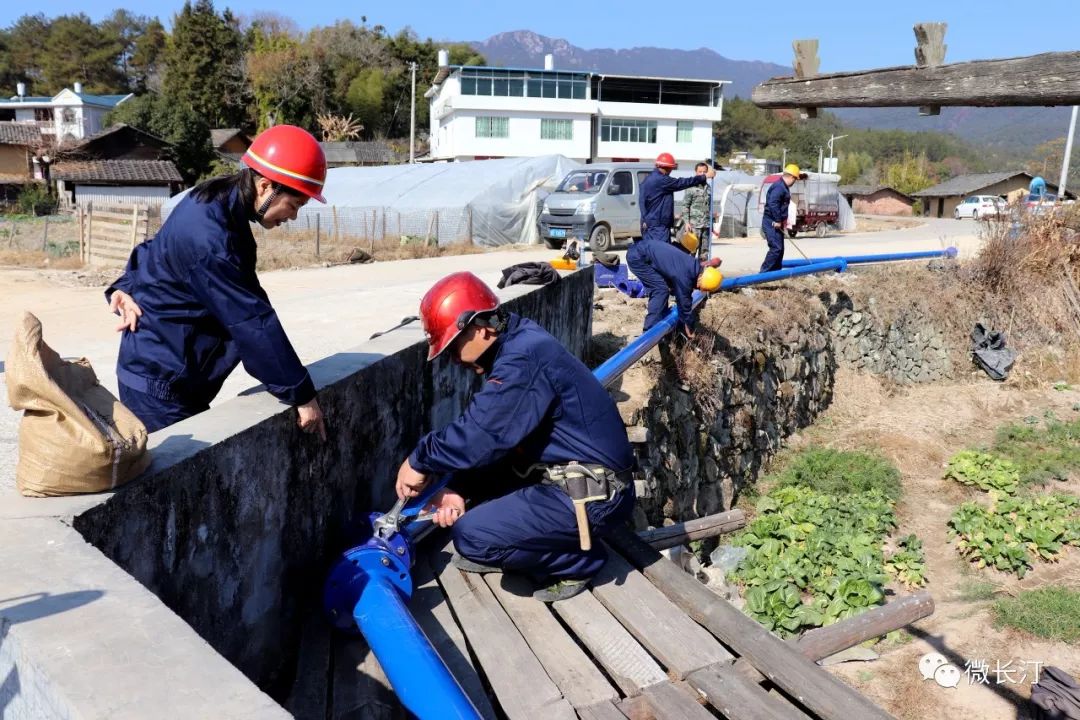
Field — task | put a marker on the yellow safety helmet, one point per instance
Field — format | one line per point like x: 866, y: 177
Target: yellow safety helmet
x: 792, y: 169
x: 690, y: 241
x: 710, y: 279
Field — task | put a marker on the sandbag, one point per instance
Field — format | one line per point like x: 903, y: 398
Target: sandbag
x: 74, y: 436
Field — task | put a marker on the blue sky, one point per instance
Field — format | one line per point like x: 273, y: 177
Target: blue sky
x: 850, y: 38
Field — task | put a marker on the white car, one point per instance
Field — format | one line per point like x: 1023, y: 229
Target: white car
x: 980, y: 206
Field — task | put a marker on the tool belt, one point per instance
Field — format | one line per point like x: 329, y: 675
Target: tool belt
x: 586, y: 483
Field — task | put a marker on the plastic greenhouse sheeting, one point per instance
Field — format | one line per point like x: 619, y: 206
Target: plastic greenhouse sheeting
x: 741, y: 214
x: 486, y: 202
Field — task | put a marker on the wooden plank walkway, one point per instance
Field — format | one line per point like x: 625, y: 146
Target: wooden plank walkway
x: 634, y: 646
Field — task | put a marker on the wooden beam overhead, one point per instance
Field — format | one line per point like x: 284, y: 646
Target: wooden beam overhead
x: 1047, y: 79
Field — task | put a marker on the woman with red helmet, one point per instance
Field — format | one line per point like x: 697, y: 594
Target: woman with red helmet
x: 190, y: 303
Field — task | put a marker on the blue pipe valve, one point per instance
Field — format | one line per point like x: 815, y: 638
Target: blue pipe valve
x: 388, y: 559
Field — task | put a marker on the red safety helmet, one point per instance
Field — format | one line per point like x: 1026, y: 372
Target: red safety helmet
x: 291, y: 156
x: 666, y: 160
x: 450, y: 305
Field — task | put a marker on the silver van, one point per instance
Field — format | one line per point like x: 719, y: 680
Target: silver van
x: 597, y: 203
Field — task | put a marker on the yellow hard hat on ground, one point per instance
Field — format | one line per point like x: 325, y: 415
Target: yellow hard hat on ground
x: 792, y: 169
x: 710, y: 279
x: 690, y: 241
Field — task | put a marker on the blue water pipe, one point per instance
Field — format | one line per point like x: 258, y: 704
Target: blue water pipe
x: 368, y: 586
x: 949, y: 252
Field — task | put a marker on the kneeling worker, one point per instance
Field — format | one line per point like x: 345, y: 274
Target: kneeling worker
x: 540, y: 441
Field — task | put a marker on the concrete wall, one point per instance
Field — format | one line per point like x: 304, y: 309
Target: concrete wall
x: 234, y: 525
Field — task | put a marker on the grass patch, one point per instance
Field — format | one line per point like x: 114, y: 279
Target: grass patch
x: 1049, y: 612
x: 1041, y: 452
x: 975, y: 590
x: 840, y: 472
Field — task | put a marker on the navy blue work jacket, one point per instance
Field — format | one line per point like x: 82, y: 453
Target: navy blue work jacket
x: 777, y: 200
x: 204, y: 311
x: 657, y: 197
x: 538, y: 400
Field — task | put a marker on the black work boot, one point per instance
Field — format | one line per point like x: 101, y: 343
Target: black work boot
x: 466, y: 565
x: 561, y: 590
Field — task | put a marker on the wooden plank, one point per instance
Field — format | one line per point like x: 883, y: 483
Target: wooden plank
x: 1046, y: 79
x: 361, y: 690
x: 432, y: 613
x: 670, y: 703
x: 566, y: 664
x: 122, y: 209
x: 113, y: 225
x: 111, y: 244
x: 679, y: 643
x: 799, y: 677
x: 639, y: 707
x: 309, y: 694
x: 662, y: 538
x: 626, y: 662
x: 104, y: 232
x: 740, y: 699
x: 601, y: 711
x: 124, y: 217
x: 521, y: 686
x: 822, y: 642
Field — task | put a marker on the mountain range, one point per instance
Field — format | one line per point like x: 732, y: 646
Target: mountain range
x: 1010, y: 129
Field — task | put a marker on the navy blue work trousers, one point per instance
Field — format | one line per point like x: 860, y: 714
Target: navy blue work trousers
x: 639, y: 259
x: 774, y: 259
x: 533, y: 530
x: 157, y: 413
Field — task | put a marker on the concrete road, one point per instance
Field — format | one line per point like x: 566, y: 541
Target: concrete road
x: 329, y: 310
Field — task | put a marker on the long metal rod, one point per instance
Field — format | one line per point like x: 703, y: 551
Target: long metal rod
x: 420, y: 678
x: 1068, y: 155
x: 949, y: 252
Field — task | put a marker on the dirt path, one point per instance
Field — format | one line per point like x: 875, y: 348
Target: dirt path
x: 919, y: 429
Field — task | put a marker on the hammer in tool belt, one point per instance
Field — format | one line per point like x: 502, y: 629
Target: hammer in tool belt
x: 583, y: 487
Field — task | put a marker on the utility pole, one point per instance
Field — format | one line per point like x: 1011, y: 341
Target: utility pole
x: 832, y: 139
x: 1068, y: 154
x: 412, y: 117
x: 783, y: 161
x: 820, y: 158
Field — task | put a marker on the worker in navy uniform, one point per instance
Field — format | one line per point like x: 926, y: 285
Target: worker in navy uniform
x: 681, y: 272
x: 540, y: 411
x: 775, y: 216
x: 657, y: 218
x: 191, y: 306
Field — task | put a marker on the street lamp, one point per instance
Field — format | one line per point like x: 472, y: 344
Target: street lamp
x: 832, y: 138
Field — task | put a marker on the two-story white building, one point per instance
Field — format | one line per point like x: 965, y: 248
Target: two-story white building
x: 487, y: 112
x: 69, y: 115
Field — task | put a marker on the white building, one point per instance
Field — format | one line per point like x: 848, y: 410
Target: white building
x: 486, y: 112
x: 71, y: 114
x: 747, y: 162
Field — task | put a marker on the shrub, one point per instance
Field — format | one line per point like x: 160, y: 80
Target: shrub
x: 35, y: 199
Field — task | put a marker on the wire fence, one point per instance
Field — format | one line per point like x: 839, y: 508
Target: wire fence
x: 327, y: 234
x: 55, y: 236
